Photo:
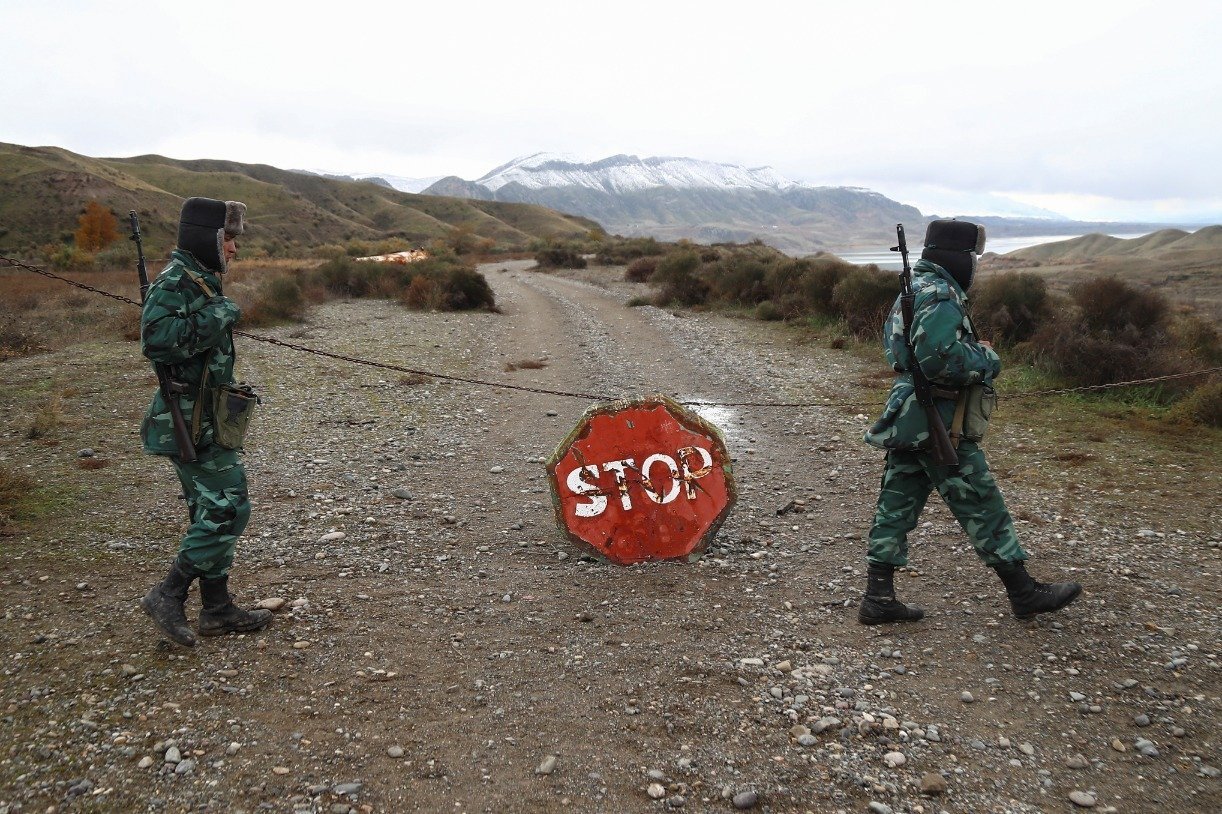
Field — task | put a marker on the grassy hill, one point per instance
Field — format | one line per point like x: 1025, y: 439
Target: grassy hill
x: 1093, y: 246
x: 1187, y: 267
x: 44, y: 189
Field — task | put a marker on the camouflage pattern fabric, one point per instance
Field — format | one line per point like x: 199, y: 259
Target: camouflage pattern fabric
x: 970, y: 491
x: 179, y: 327
x: 220, y: 508
x: 946, y: 348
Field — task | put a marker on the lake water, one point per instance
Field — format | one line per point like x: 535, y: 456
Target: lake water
x: 1001, y: 245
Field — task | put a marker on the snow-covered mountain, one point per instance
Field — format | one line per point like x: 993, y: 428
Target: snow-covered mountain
x: 629, y: 173
x: 399, y: 182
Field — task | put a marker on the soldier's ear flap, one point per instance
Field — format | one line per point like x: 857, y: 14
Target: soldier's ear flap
x: 235, y: 218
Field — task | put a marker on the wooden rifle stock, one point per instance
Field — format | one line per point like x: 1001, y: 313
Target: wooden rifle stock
x: 169, y: 394
x: 943, y: 451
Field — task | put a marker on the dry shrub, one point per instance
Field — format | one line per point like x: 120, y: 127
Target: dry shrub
x: 864, y: 297
x: 424, y: 294
x: 1117, y: 333
x: 641, y: 269
x: 277, y: 299
x: 127, y: 326
x: 47, y: 419
x: 1111, y: 306
x: 560, y: 256
x: 677, y: 275
x: 1009, y: 308
x: 413, y: 380
x: 16, y: 341
x: 15, y: 488
x: 1202, y: 406
x: 1198, y: 337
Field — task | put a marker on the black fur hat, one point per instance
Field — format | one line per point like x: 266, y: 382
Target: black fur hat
x: 203, y: 225
x: 954, y: 245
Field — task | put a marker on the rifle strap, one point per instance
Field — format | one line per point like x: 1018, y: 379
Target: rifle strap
x: 956, y: 425
x: 197, y: 412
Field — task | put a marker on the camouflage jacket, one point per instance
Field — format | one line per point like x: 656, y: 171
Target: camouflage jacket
x: 183, y: 327
x: 946, y: 348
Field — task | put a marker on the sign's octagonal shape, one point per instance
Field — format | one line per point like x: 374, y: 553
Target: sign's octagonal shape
x: 640, y: 480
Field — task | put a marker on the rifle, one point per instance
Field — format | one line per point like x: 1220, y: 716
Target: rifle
x: 941, y: 447
x: 170, y: 389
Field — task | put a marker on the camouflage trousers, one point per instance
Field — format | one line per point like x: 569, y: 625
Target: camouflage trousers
x: 970, y: 491
x: 219, y: 508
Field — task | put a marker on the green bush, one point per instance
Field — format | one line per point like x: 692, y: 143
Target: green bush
x: 618, y: 251
x: 1198, y: 337
x: 768, y: 311
x: 559, y: 256
x: 864, y: 297
x: 677, y: 276
x: 1203, y: 405
x: 1008, y: 308
x: 278, y: 299
x: 449, y: 284
x: 819, y: 282
x: 739, y: 280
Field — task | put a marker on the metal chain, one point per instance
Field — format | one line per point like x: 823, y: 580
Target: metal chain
x: 356, y: 360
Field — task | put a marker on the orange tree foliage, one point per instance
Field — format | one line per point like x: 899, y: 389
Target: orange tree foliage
x: 96, y: 229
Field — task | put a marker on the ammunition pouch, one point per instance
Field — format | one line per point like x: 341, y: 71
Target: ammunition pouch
x: 979, y: 402
x: 233, y: 405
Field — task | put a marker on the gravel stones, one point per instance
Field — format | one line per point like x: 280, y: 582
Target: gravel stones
x: 656, y: 791
x: 966, y: 697
x: 272, y: 604
x: 894, y: 759
x: 933, y: 784
x: 1082, y: 799
x: 395, y: 751
x: 876, y: 807
x: 547, y: 766
x: 745, y: 800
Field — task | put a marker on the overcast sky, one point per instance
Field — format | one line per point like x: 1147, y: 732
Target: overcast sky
x: 1107, y: 110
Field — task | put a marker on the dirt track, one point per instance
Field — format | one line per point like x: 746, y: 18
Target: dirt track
x: 457, y: 625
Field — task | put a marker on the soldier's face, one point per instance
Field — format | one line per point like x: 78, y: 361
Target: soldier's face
x: 231, y: 249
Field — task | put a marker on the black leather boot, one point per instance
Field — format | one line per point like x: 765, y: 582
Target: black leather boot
x: 879, y: 606
x: 220, y: 615
x: 1029, y: 597
x: 164, y: 603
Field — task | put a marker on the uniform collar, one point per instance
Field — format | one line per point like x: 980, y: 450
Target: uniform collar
x: 927, y: 267
x: 187, y: 259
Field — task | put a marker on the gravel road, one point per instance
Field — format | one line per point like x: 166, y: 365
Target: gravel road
x: 439, y: 646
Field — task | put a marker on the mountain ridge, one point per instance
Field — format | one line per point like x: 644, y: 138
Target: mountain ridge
x: 43, y: 190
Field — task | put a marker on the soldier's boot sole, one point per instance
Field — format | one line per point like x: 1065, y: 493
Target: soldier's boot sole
x: 1045, y: 599
x: 873, y: 611
x: 167, y: 613
x: 232, y: 619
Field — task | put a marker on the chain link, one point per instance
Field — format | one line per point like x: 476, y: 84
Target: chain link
x: 356, y: 360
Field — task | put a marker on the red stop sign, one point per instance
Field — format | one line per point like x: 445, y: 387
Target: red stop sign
x: 642, y: 480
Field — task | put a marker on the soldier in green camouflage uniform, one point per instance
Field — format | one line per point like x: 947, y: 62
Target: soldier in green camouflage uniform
x: 187, y: 325
x: 952, y: 359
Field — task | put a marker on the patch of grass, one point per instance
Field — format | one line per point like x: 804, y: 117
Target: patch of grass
x: 16, y: 490
x: 92, y: 463
x: 47, y: 419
